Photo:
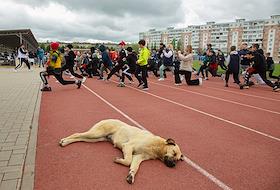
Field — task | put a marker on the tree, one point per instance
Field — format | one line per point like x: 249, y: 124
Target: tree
x: 173, y: 43
x: 48, y: 48
x: 180, y: 45
x: 43, y: 46
x: 153, y: 46
x: 135, y: 47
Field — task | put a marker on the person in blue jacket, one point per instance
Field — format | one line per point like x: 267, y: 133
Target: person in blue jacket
x: 40, y: 55
x: 106, y: 61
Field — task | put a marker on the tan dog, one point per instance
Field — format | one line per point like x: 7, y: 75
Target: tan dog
x: 136, y: 144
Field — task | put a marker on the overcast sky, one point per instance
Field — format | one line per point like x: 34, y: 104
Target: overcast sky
x: 115, y: 20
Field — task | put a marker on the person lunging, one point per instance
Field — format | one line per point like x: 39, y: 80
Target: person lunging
x: 185, y: 68
x: 54, y: 68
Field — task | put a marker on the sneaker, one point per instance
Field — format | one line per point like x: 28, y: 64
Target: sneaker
x: 276, y: 88
x: 244, y: 86
x: 15, y: 71
x: 178, y: 84
x: 145, y: 88
x: 131, y: 82
x: 140, y: 85
x: 161, y: 79
x: 223, y: 76
x: 206, y: 78
x: 182, y: 77
x: 226, y: 85
x: 45, y: 89
x: 84, y: 79
x: 121, y: 85
x: 200, y: 81
x: 79, y: 83
x: 71, y: 77
x: 251, y: 83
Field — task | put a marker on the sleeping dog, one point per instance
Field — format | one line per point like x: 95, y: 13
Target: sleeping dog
x: 136, y: 144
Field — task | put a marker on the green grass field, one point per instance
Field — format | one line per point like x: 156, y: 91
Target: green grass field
x: 276, y: 71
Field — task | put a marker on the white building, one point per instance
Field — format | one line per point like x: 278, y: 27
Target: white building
x: 265, y: 32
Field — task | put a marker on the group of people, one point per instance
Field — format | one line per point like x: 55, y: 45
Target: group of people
x: 250, y: 61
x: 125, y: 63
x: 98, y: 61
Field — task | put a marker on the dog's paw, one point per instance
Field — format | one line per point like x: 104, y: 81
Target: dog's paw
x: 62, y: 142
x: 130, y: 179
x: 118, y: 160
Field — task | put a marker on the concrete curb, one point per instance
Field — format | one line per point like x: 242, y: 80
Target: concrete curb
x: 27, y: 182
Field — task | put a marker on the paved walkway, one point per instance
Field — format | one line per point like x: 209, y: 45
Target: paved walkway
x: 19, y: 112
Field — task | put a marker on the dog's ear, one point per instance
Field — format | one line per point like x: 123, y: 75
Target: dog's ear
x: 170, y: 142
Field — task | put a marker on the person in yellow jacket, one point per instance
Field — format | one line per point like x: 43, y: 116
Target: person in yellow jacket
x: 142, y: 63
x: 54, y: 68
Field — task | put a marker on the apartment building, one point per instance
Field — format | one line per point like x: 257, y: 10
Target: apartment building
x: 265, y: 32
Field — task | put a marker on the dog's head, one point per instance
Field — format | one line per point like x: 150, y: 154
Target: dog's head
x: 172, y: 154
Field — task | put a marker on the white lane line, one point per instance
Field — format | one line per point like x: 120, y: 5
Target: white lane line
x: 186, y: 159
x: 239, y: 93
x: 208, y: 114
x: 205, y: 173
x: 112, y: 106
x: 224, y: 100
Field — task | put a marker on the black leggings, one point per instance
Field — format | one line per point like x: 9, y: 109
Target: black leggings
x: 212, y: 71
x: 188, y: 75
x: 20, y: 63
x: 235, y: 76
x: 70, y: 68
x: 222, y: 65
x: 115, y: 71
x: 201, y: 70
x: 57, y: 74
x: 143, y: 78
x: 262, y: 75
x: 126, y: 72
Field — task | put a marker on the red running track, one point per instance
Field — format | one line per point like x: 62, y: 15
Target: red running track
x: 237, y: 157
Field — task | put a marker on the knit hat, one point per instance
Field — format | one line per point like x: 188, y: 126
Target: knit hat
x: 54, y: 45
x: 69, y: 46
x: 102, y: 48
x: 129, y: 49
x: 122, y: 43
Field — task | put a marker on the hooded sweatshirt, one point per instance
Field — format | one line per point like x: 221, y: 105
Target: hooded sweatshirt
x: 233, y: 61
x: 105, y: 56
